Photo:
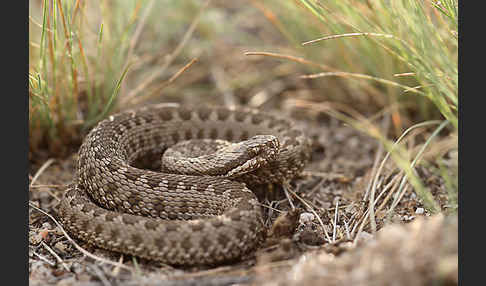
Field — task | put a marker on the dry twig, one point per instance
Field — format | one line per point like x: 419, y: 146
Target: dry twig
x: 85, y: 252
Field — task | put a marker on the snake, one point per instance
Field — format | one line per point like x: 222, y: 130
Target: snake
x: 200, y: 211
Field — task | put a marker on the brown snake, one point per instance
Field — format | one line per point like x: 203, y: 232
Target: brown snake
x: 179, y: 219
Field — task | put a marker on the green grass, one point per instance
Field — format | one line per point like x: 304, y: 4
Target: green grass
x: 75, y: 64
x: 417, y: 37
x: 81, y: 54
x: 409, y: 44
x: 404, y: 52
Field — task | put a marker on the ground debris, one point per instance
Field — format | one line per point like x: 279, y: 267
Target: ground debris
x: 424, y: 252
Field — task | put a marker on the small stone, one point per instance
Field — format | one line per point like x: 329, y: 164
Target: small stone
x: 419, y: 211
x: 35, y: 238
x: 46, y: 225
x: 408, y: 218
x: 44, y: 234
x: 60, y: 246
x: 306, y: 218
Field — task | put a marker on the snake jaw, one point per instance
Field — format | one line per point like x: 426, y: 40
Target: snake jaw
x: 263, y: 150
x: 247, y: 167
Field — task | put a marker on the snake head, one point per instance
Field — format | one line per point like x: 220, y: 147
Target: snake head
x: 254, y: 153
x: 221, y: 158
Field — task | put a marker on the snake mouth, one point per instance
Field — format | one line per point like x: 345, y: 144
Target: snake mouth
x: 248, y: 166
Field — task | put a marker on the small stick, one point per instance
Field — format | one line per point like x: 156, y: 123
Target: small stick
x: 288, y: 197
x: 372, y: 202
x: 48, y: 186
x: 136, y: 35
x: 85, y: 252
x: 335, y: 222
x: 313, y: 212
x: 206, y: 272
x: 316, y: 187
x: 292, y: 58
x: 44, y: 259
x: 116, y: 270
x: 347, y: 35
x: 271, y: 208
x: 392, y: 190
x: 100, y: 274
x: 37, y: 175
x: 157, y: 89
x: 223, y: 87
x: 55, y: 255
x: 41, y: 170
x: 348, y: 236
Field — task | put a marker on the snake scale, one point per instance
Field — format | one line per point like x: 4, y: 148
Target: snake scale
x: 179, y: 219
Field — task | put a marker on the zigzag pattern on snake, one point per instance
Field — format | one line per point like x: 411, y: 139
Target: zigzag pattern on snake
x: 178, y: 219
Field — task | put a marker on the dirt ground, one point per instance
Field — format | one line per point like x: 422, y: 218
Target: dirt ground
x: 413, y: 248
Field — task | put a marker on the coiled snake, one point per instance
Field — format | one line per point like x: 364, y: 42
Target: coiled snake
x: 206, y: 216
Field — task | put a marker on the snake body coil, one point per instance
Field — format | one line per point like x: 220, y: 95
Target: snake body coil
x: 178, y: 219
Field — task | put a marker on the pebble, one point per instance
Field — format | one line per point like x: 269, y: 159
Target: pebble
x: 47, y: 225
x: 419, y: 211
x: 60, y: 246
x: 306, y: 218
x: 35, y: 238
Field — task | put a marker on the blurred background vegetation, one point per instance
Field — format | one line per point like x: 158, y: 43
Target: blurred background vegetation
x: 356, y: 60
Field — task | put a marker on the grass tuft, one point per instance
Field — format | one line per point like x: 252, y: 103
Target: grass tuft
x: 75, y: 67
x: 416, y: 40
x: 417, y: 37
